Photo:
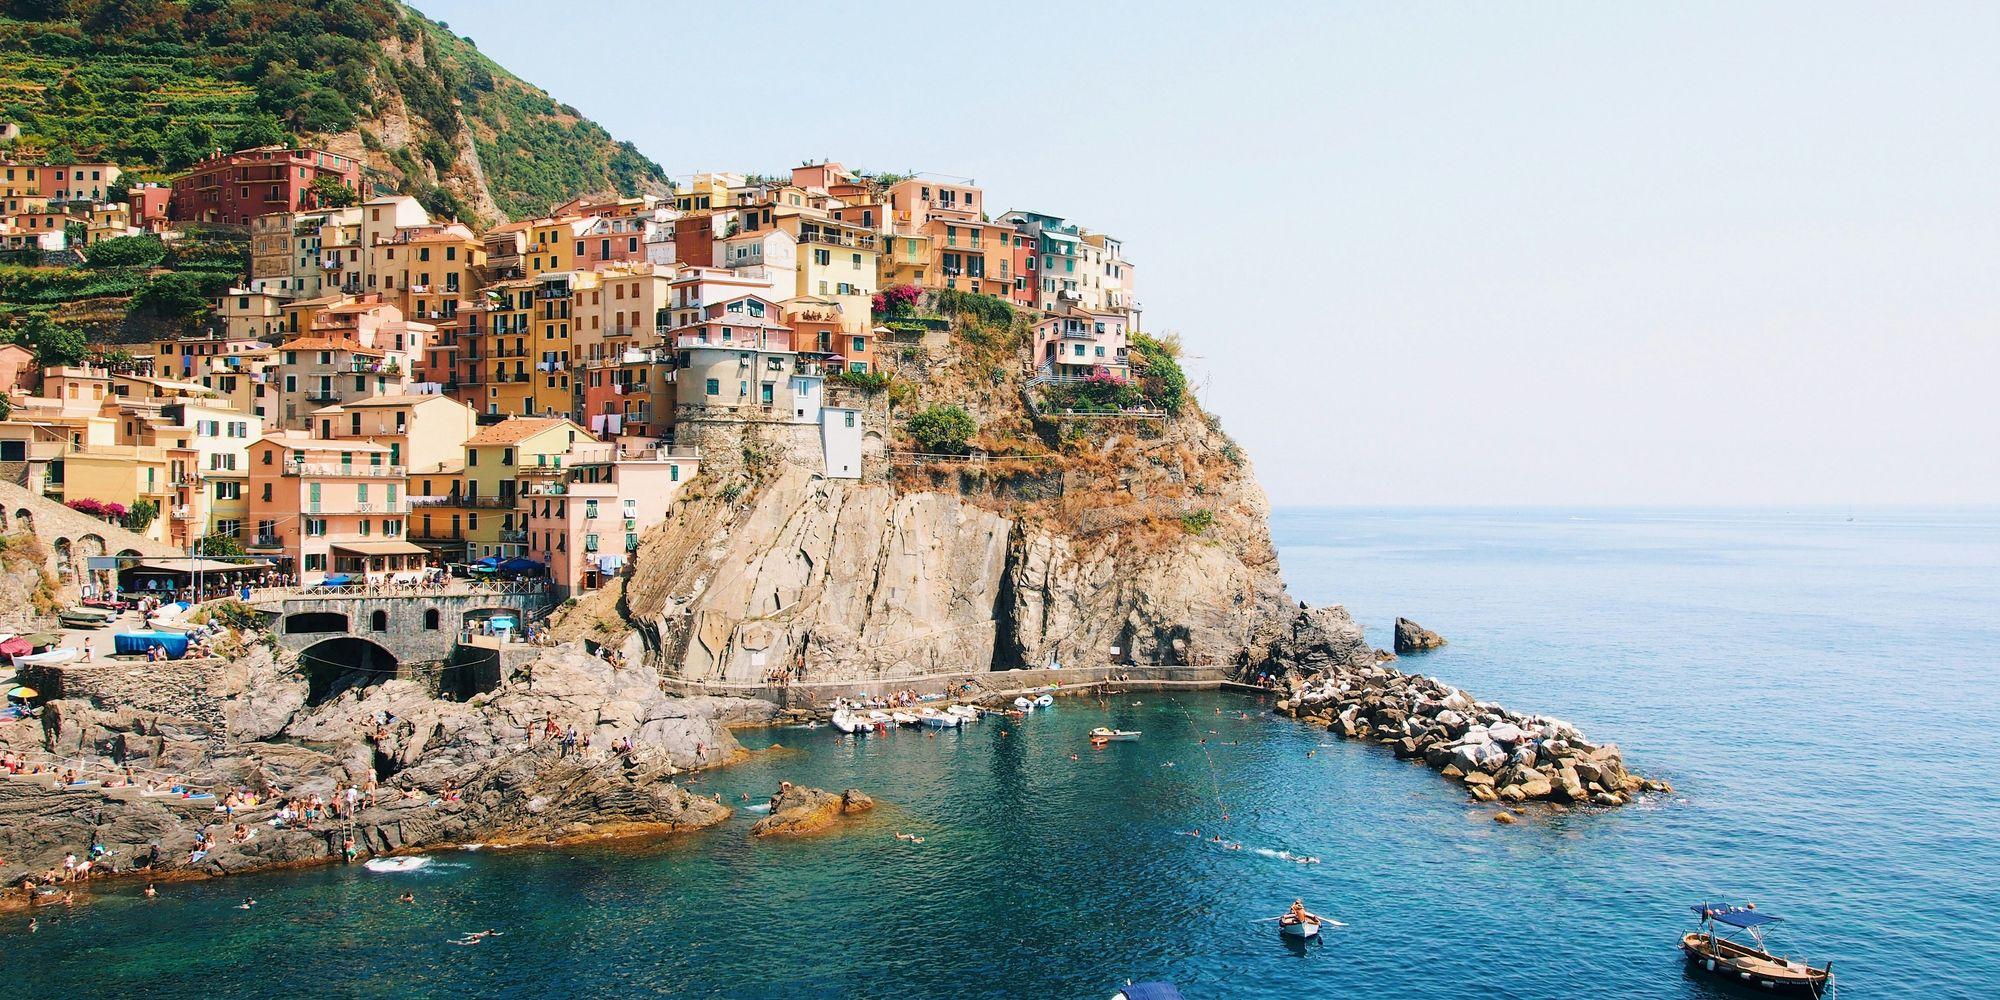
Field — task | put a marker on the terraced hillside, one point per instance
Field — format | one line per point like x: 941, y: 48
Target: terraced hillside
x: 160, y: 83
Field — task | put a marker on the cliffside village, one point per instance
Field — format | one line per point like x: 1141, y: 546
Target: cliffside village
x: 388, y: 392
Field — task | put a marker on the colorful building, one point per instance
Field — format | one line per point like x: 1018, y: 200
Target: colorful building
x: 235, y: 188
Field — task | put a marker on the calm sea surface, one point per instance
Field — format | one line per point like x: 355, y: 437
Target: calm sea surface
x: 1819, y: 687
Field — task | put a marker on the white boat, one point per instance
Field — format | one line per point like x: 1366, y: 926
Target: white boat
x: 1309, y: 927
x: 1024, y: 704
x: 881, y: 720
x: 903, y: 718
x: 60, y: 655
x: 1102, y: 733
x: 404, y: 864
x: 845, y: 721
x: 939, y: 720
x: 966, y: 712
x: 1045, y: 701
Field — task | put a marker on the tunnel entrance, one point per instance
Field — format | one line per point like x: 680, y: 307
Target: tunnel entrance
x: 339, y: 665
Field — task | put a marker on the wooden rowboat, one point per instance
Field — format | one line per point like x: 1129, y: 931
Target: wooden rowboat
x: 1749, y: 964
x: 1291, y: 926
x: 1103, y: 733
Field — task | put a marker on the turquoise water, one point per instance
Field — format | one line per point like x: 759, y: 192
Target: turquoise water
x: 1819, y: 689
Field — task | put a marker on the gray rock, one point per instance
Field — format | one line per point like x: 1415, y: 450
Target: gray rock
x: 1414, y: 638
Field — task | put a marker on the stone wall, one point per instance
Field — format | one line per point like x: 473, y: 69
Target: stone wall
x: 181, y: 689
x: 405, y: 633
x: 70, y: 536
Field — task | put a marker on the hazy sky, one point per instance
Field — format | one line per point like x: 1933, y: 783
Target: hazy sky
x: 1453, y: 253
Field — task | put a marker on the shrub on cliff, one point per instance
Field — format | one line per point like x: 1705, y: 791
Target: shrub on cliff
x: 942, y: 430
x: 1161, y: 378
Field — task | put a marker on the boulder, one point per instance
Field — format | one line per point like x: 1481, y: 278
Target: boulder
x: 1414, y: 638
x: 797, y: 811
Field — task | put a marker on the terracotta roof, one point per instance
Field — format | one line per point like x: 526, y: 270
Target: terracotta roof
x: 327, y: 344
x: 515, y: 430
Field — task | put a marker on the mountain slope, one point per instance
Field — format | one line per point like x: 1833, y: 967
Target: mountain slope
x: 159, y: 83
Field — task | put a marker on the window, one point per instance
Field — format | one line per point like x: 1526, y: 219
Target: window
x: 379, y: 621
x: 847, y: 419
x: 860, y: 345
x: 823, y: 257
x: 431, y: 619
x: 714, y: 387
x: 267, y: 492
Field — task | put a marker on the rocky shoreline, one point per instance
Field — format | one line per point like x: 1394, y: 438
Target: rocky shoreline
x: 212, y: 799
x: 1500, y: 755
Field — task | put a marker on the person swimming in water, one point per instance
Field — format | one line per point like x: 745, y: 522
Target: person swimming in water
x: 247, y: 903
x: 408, y: 897
x: 474, y: 937
x: 150, y: 891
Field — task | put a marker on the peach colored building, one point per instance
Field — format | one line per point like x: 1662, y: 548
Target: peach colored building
x: 329, y: 507
x: 585, y: 515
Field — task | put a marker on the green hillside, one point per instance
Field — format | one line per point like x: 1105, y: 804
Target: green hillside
x: 160, y: 82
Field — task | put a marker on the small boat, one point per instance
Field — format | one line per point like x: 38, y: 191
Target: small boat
x: 846, y: 722
x: 1148, y: 991
x: 81, y: 618
x: 881, y: 720
x: 1750, y: 964
x: 939, y: 720
x: 903, y: 718
x: 966, y: 712
x: 48, y: 657
x: 1024, y: 704
x: 1045, y: 701
x: 1102, y: 733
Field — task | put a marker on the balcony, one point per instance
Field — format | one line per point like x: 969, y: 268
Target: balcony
x: 517, y: 537
x: 552, y: 292
x: 855, y: 241
x: 322, y: 395
x: 267, y: 542
x: 334, y: 469
x: 551, y: 366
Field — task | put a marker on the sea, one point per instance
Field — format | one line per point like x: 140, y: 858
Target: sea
x: 1818, y: 685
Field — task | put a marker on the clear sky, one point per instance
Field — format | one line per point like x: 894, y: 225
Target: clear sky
x: 1561, y: 253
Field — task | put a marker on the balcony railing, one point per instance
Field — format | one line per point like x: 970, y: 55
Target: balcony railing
x: 267, y: 542
x: 859, y: 241
x: 338, y: 469
x: 322, y: 396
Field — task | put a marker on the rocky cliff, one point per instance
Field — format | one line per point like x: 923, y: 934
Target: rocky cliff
x: 1078, y: 540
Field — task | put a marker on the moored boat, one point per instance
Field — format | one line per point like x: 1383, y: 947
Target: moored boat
x: 1024, y: 704
x: 966, y: 712
x: 1045, y: 701
x: 47, y: 657
x: 1108, y: 734
x: 846, y: 722
x: 903, y: 718
x: 1752, y: 963
x: 939, y: 720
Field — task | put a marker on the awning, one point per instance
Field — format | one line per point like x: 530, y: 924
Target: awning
x: 185, y: 565
x: 337, y: 580
x: 1734, y: 916
x: 521, y: 564
x: 383, y: 548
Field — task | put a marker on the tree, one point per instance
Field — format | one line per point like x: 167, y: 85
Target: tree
x: 171, y: 296
x: 262, y: 129
x: 218, y: 546
x: 328, y: 192
x: 942, y: 430
x: 140, y: 516
x: 54, y: 343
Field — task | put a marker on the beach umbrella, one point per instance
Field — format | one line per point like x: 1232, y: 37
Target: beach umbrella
x: 23, y: 692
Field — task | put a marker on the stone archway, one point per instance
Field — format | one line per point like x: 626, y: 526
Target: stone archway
x: 315, y: 623
x: 343, y: 663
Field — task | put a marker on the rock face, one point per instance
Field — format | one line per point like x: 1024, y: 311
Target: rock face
x: 797, y: 811
x: 446, y: 772
x: 1414, y: 638
x: 1499, y: 755
x: 863, y: 580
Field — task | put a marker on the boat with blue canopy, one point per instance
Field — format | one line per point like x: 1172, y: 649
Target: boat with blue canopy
x: 1717, y: 948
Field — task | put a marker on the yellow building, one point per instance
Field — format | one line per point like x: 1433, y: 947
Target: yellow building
x: 494, y: 462
x: 504, y: 346
x: 251, y: 316
x: 838, y: 261
x: 124, y: 474
x: 550, y: 344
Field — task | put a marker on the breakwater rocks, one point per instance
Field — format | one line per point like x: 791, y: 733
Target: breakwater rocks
x: 1500, y: 755
x: 797, y: 811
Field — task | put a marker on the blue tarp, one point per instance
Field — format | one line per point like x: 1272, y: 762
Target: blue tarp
x: 1734, y: 916
x: 137, y: 643
x: 1151, y: 991
x: 521, y: 564
x: 337, y: 580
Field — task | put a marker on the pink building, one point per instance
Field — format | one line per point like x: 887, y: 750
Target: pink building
x: 586, y: 516
x: 1080, y: 344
